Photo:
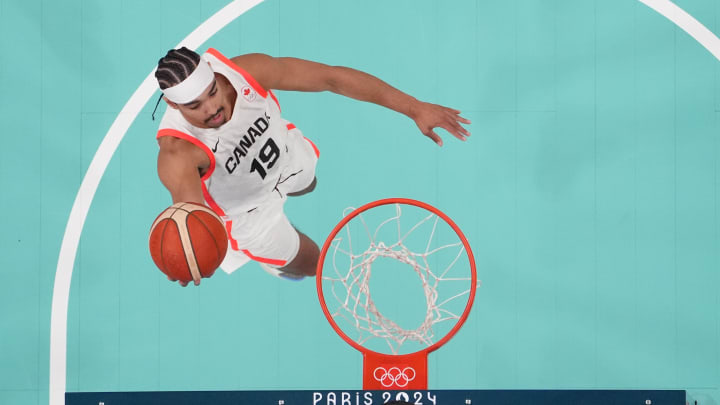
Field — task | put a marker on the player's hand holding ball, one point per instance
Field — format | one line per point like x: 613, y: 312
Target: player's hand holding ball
x: 188, y: 241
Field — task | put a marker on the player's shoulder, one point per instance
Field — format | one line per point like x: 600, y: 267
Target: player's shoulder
x: 254, y: 63
x: 259, y: 66
x: 175, y: 145
x: 180, y: 150
x: 251, y: 58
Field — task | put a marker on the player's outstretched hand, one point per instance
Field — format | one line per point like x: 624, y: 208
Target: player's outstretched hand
x: 430, y: 116
x: 183, y: 283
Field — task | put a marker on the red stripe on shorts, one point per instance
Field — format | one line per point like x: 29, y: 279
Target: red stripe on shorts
x: 274, y: 262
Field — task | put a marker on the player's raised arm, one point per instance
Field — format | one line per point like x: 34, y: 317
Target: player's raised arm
x: 179, y: 165
x: 302, y: 75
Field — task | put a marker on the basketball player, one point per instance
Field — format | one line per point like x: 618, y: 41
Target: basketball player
x: 224, y: 143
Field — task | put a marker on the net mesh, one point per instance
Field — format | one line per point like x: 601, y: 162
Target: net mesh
x: 350, y: 277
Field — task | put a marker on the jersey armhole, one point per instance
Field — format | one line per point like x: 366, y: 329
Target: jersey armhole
x: 182, y: 135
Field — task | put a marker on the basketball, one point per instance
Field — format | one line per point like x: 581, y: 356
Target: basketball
x: 188, y: 241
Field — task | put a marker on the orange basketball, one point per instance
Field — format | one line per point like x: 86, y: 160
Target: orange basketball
x: 188, y: 241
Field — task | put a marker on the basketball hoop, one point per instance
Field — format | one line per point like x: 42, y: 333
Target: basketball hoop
x: 432, y: 247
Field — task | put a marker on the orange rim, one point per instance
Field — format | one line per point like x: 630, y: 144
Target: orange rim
x: 378, y: 203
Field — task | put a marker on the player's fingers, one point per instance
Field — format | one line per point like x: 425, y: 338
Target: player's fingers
x: 463, y: 130
x: 463, y: 120
x: 432, y: 135
x: 197, y: 282
x: 455, y: 117
x: 454, y: 128
x: 183, y: 283
x: 459, y: 128
x: 458, y: 135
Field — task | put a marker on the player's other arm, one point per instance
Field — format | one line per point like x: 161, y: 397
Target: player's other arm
x: 302, y: 75
x: 179, y: 165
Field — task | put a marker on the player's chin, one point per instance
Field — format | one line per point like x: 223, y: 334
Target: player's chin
x: 217, y: 120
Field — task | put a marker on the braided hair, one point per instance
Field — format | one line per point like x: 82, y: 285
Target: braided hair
x: 176, y: 66
x: 173, y: 68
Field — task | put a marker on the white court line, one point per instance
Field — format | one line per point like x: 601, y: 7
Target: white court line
x: 78, y: 214
x: 689, y: 24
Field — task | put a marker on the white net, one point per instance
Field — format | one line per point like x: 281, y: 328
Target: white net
x: 429, y: 251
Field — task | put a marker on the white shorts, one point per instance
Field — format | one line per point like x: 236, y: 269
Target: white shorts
x: 265, y: 234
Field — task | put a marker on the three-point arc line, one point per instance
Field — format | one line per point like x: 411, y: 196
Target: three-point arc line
x: 84, y: 197
x: 86, y: 193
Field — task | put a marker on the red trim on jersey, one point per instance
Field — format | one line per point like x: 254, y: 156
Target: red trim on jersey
x: 211, y: 202
x: 182, y: 135
x: 291, y: 126
x: 233, y: 242
x: 274, y: 262
x: 275, y: 99
x: 206, y: 194
x: 315, y: 148
x: 248, y: 78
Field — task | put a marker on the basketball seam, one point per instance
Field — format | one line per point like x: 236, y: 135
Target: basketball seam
x: 199, y: 207
x: 162, y: 219
x: 162, y: 242
x: 212, y: 236
x: 203, y: 208
x: 163, y: 215
x: 192, y: 248
x: 186, y: 243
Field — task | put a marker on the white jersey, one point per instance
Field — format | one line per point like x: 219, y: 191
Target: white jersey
x: 248, y: 154
x: 256, y: 158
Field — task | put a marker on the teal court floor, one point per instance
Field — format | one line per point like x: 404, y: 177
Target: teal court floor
x: 588, y: 191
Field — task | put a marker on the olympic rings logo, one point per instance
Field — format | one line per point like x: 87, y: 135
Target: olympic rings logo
x: 394, y: 376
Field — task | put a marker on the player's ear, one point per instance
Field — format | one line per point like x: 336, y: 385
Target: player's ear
x: 170, y: 103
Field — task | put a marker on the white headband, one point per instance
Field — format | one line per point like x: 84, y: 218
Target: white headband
x: 192, y: 87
